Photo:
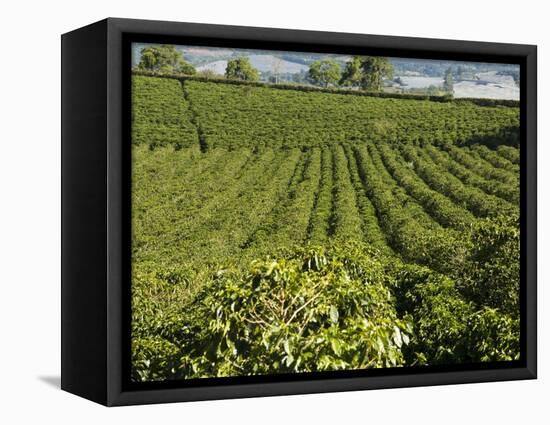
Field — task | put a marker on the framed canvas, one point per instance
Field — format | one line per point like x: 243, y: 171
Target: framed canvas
x: 253, y: 212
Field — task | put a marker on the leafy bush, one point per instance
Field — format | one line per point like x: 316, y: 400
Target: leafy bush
x: 447, y: 328
x: 493, y: 336
x: 225, y: 176
x: 309, y: 310
x: 153, y: 359
x: 492, y: 277
x: 439, y: 315
x: 315, y: 309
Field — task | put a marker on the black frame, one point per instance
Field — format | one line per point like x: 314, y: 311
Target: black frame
x: 96, y: 202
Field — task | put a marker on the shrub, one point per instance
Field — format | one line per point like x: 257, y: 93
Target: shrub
x: 493, y: 336
x: 492, y: 273
x: 439, y: 315
x: 447, y: 328
x: 153, y: 358
x: 309, y: 310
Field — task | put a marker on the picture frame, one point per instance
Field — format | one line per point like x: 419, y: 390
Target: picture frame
x: 96, y: 203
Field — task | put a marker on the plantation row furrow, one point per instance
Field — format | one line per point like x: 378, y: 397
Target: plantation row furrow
x: 240, y: 227
x: 439, y: 179
x: 510, y: 153
x: 441, y: 208
x: 294, y: 227
x: 174, y: 183
x: 320, y: 225
x: 414, y: 209
x: 224, y: 229
x: 409, y: 234
x: 469, y: 178
x: 196, y: 224
x: 201, y: 198
x: 479, y: 166
x: 347, y: 219
x: 189, y: 159
x: 288, y: 225
x: 266, y: 229
x: 372, y: 233
x: 495, y: 159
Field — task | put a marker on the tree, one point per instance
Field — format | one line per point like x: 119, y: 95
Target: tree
x: 353, y: 73
x: 367, y: 72
x: 324, y: 72
x: 165, y: 59
x: 241, y: 69
x: 448, y: 84
x: 375, y: 69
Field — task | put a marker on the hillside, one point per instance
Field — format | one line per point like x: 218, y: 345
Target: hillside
x: 419, y: 197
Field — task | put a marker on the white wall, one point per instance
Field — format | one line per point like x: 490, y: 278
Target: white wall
x: 30, y: 212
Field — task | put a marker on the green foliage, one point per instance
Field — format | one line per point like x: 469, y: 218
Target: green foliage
x: 495, y: 159
x: 477, y: 165
x: 291, y: 118
x: 160, y: 115
x: 298, y: 312
x: 439, y: 314
x: 347, y: 219
x: 153, y: 359
x: 449, y: 329
x: 375, y: 69
x: 367, y: 72
x: 303, y: 310
x: 441, y: 208
x: 409, y: 230
x: 165, y: 59
x: 372, y: 233
x: 407, y: 227
x: 324, y: 72
x: 478, y: 202
x: 353, y: 73
x: 157, y: 323
x: 508, y: 190
x: 493, y: 275
x: 320, y: 226
x: 493, y: 336
x: 509, y: 153
x: 241, y: 69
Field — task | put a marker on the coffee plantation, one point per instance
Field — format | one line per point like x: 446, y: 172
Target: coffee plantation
x: 281, y: 230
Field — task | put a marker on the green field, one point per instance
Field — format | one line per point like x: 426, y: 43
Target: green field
x: 279, y: 230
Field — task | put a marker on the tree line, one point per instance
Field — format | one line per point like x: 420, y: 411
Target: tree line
x: 364, y: 72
